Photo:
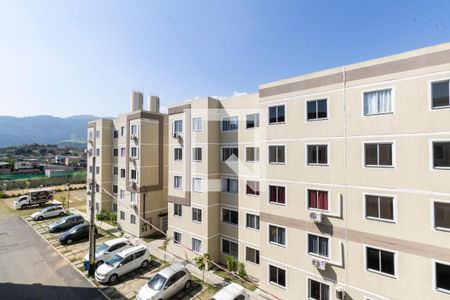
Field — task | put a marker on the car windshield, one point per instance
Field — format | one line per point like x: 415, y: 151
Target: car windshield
x: 74, y: 229
x: 61, y: 221
x: 101, y: 248
x: 157, y: 282
x: 114, y: 261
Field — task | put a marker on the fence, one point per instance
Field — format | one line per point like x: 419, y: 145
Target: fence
x: 18, y: 181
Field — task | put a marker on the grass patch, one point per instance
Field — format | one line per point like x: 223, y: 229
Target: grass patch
x: 234, y: 279
x: 209, y: 290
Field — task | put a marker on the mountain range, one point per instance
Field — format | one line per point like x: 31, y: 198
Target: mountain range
x: 43, y: 130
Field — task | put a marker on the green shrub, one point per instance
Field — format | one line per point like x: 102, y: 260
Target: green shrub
x: 241, y: 270
x: 232, y: 264
x: 3, y: 195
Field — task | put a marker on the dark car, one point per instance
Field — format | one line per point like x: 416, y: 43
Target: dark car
x: 76, y: 233
x: 65, y: 223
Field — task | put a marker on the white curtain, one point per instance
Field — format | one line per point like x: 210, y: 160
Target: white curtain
x: 377, y: 102
x: 384, y: 101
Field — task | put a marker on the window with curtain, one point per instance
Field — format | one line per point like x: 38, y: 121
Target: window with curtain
x: 318, y: 245
x: 196, y: 245
x: 230, y: 123
x: 252, y: 188
x: 230, y: 248
x: 318, y: 200
x: 177, y: 210
x: 252, y: 154
x: 197, y: 184
x: 196, y: 214
x: 277, y: 235
x: 197, y: 124
x: 378, y: 102
x: 277, y: 194
x: 318, y: 290
x: 177, y: 182
x: 252, y: 121
x: 252, y: 221
x: 177, y: 126
x: 230, y: 185
x: 197, y: 154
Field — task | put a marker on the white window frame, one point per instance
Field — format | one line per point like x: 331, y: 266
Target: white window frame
x: 251, y: 262
x: 308, y: 288
x: 396, y: 270
x: 327, y: 164
x: 136, y: 156
x: 315, y: 100
x: 177, y: 148
x: 193, y: 153
x: 173, y: 126
x: 307, y: 188
x: 122, y: 194
x: 180, y: 235
x: 222, y: 185
x: 200, y: 128
x: 259, y: 188
x: 201, y: 245
x: 285, y: 235
x: 394, y: 205
x: 275, y: 283
x: 251, y: 228
x: 392, y: 88
x: 431, y: 154
x: 255, y: 148
x: 285, y: 114
x: 229, y: 118
x: 228, y: 222
x: 182, y: 182
x: 434, y: 278
x: 314, y: 255
x: 192, y: 214
x: 433, y: 217
x: 131, y: 175
x: 285, y: 194
x: 176, y: 215
x: 194, y: 178
x: 394, y: 155
x: 230, y: 241
x: 228, y: 160
x: 285, y: 155
x: 123, y: 130
x: 136, y: 127
x: 249, y: 114
x: 430, y: 94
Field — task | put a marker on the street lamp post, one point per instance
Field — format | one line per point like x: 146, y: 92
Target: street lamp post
x: 68, y: 196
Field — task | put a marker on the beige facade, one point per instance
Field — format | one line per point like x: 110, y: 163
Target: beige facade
x: 131, y: 166
x: 348, y: 192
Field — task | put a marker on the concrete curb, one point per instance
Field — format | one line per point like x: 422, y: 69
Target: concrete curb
x: 66, y: 259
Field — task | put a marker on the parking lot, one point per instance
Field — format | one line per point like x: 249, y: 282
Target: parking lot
x: 129, y: 284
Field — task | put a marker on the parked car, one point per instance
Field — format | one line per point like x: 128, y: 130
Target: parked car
x: 65, y: 223
x: 106, y: 250
x: 48, y: 212
x: 76, y: 233
x: 123, y: 262
x: 166, y: 283
x: 35, y: 197
x: 232, y: 291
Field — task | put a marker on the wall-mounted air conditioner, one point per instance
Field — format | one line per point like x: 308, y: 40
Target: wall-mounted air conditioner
x: 134, y: 137
x: 315, y: 216
x: 319, y: 263
x: 133, y: 204
x: 340, y: 292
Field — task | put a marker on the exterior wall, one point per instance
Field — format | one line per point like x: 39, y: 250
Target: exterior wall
x: 412, y: 180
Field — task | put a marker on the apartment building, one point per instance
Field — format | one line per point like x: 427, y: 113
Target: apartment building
x: 131, y: 166
x: 330, y: 185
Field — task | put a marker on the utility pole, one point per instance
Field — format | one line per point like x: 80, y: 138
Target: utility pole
x: 68, y: 196
x: 92, y: 223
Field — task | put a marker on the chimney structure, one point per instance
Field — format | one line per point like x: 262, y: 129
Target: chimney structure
x: 136, y: 101
x: 153, y: 104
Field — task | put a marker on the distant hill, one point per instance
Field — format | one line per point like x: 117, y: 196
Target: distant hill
x: 43, y: 130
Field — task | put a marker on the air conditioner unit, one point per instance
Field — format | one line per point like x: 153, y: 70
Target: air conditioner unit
x: 315, y: 216
x: 134, y: 137
x: 91, y: 141
x: 319, y: 264
x: 133, y: 204
x: 340, y: 293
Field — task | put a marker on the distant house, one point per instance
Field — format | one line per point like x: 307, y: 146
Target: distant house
x: 5, y: 167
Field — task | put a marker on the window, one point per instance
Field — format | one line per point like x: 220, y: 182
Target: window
x: 230, y: 216
x: 277, y: 154
x: 122, y: 152
x: 134, y: 129
x: 252, y: 221
x: 177, y: 182
x: 440, y: 94
x: 229, y: 248
x: 122, y: 173
x: 97, y: 152
x: 317, y: 200
x: 197, y: 154
x: 277, y: 194
x: 380, y: 261
x: 197, y: 124
x: 177, y: 154
x: 133, y: 198
x: 229, y: 153
x: 276, y: 114
x: 177, y: 237
x: 97, y: 133
x: 122, y: 194
x: 197, y: 184
x: 177, y: 210
x: 133, y: 174
x: 96, y: 206
x: 442, y: 277
x: 114, y: 207
x: 277, y: 235
x: 442, y: 215
x: 114, y: 189
x: 115, y: 134
x: 230, y: 124
x: 316, y: 109
x: 90, y: 169
x: 317, y: 154
x: 377, y: 102
x: 134, y: 152
x: 177, y: 127
x: 379, y: 207
x: 196, y: 245
x: 252, y: 255
x: 252, y: 121
x: 97, y: 170
x: 441, y: 154
x: 115, y: 170
x: 122, y: 215
x: 196, y: 214
x: 252, y: 154
x: 132, y: 219
x: 318, y: 290
x: 115, y: 152
x: 90, y: 135
x: 318, y: 245
x: 122, y: 131
x: 277, y: 276
x: 378, y: 154
x: 230, y: 185
x: 252, y: 188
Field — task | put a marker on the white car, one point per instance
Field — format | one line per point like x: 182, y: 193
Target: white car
x: 123, y: 262
x: 166, y: 283
x: 232, y: 291
x: 108, y: 249
x: 48, y: 212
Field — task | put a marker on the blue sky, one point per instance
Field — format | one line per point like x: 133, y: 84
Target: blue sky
x: 67, y: 58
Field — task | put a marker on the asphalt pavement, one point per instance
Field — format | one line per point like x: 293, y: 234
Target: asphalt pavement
x: 32, y: 269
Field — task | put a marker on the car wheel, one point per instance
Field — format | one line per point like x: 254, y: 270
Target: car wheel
x: 187, y: 285
x: 61, y: 214
x: 40, y: 218
x: 113, y: 278
x: 98, y: 264
x: 144, y: 264
x: 69, y: 241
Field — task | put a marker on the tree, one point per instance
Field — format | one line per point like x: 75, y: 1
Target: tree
x: 202, y: 262
x: 232, y: 264
x: 241, y: 270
